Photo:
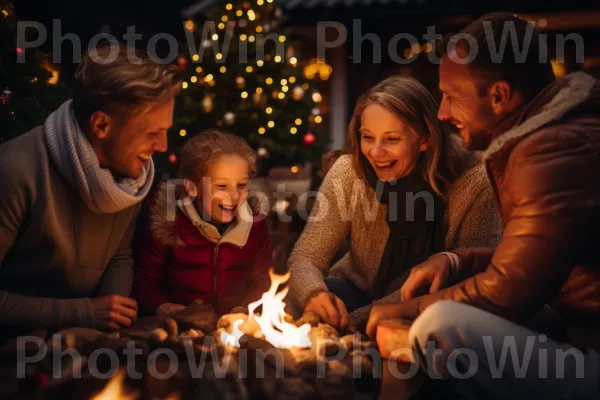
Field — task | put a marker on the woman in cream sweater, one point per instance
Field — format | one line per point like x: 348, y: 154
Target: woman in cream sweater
x: 406, y: 191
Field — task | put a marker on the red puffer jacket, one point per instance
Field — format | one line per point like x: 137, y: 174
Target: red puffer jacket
x: 180, y: 258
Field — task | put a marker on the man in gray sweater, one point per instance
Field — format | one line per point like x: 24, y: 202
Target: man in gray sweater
x: 70, y: 191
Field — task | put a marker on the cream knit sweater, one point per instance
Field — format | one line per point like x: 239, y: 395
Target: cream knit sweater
x: 347, y: 207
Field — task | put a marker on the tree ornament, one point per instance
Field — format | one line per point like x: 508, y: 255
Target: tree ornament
x: 298, y: 93
x: 5, y: 96
x: 240, y: 82
x: 182, y: 62
x: 229, y: 118
x: 207, y: 104
x: 309, y: 139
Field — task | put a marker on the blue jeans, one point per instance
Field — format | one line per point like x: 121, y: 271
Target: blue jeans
x: 475, y: 350
x: 347, y: 291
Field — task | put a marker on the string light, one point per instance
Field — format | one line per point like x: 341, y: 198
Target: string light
x: 317, y: 98
x: 277, y: 59
x: 269, y: 110
x: 294, y: 169
x: 199, y: 70
x: 182, y: 133
x: 224, y: 18
x: 251, y: 15
x: 209, y: 77
x: 260, y: 2
x: 269, y: 81
x: 219, y: 56
x: 281, y: 96
x: 194, y: 79
x: 229, y: 6
x: 239, y: 13
x: 249, y: 69
x: 283, y: 82
x: 298, y: 121
x: 260, y: 63
x: 223, y: 69
x: 243, y: 37
x: 318, y: 119
x: 195, y: 57
x: 271, y: 124
x: 293, y: 61
x: 259, y: 90
x: 251, y: 39
x: 292, y: 79
x: 294, y: 130
x: 259, y: 29
x: 244, y: 95
x: 221, y: 25
x: 184, y: 85
x: 269, y: 1
x: 261, y: 131
x: 282, y: 38
x: 305, y: 86
x: 215, y: 37
x: 285, y: 89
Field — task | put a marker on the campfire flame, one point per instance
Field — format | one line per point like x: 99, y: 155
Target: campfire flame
x: 114, y: 389
x: 272, y: 322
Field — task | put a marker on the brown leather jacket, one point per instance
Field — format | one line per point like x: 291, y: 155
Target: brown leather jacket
x: 544, y: 164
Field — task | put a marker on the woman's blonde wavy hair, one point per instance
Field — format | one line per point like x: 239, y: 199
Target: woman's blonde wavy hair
x: 445, y: 157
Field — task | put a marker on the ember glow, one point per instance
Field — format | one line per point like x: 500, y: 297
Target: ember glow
x: 272, y: 322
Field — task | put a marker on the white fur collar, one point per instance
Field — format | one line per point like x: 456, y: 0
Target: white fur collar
x: 576, y: 91
x: 237, y: 234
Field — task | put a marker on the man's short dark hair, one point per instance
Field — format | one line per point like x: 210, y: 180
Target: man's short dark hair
x: 526, y: 71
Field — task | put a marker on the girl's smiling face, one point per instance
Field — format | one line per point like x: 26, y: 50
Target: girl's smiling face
x: 224, y: 188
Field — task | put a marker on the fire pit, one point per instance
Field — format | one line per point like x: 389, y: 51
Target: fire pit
x: 197, y: 354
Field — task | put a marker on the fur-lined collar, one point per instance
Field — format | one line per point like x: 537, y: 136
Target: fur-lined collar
x: 577, y: 89
x: 166, y: 207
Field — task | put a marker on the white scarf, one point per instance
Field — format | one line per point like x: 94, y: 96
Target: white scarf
x: 77, y: 162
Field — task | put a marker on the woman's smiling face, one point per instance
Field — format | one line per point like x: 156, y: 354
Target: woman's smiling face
x: 391, y: 146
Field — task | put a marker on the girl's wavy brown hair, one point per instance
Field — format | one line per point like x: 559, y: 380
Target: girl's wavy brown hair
x: 202, y: 149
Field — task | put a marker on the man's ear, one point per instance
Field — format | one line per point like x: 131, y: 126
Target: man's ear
x: 190, y: 188
x: 424, y: 145
x: 100, y: 124
x: 501, y: 93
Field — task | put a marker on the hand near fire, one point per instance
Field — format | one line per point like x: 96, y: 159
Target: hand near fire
x: 114, y: 312
x: 330, y: 309
x: 434, y: 271
x: 380, y: 312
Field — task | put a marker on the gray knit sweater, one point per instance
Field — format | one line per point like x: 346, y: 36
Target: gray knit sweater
x: 347, y: 207
x: 54, y: 252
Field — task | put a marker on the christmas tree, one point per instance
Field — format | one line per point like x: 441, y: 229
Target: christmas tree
x: 29, y: 89
x: 246, y: 77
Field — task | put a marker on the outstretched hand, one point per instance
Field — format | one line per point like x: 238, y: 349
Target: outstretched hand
x: 114, y: 312
x: 330, y: 309
x: 434, y: 271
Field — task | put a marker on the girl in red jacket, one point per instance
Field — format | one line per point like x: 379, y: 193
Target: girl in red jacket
x: 203, y: 241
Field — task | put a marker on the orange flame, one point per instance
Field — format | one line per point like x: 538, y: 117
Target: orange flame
x: 272, y: 322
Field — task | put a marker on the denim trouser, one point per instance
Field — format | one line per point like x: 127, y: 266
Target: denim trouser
x: 485, y: 356
x: 347, y: 291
